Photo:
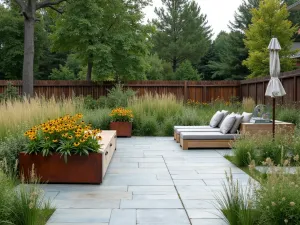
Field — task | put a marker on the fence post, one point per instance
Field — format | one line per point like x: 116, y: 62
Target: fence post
x: 295, y: 89
x: 185, y: 93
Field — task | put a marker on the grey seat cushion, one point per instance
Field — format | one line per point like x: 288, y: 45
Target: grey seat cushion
x: 197, y: 130
x: 207, y: 136
x: 191, y: 127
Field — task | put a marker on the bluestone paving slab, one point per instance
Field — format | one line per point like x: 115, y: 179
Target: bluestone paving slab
x: 208, y: 222
x: 204, y: 213
x: 151, y: 165
x: 80, y: 187
x: 123, y: 165
x: 199, y: 204
x: 162, y: 217
x: 94, y: 195
x: 86, y: 204
x: 80, y: 216
x: 123, y: 217
x: 144, y: 159
x: 189, y: 182
x: 137, y: 171
x: 142, y: 186
x: 77, y: 223
x: 182, y: 172
x: 148, y: 197
x: 151, y: 204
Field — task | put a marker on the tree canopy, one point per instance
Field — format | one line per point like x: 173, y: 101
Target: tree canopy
x: 182, y: 32
x: 269, y: 20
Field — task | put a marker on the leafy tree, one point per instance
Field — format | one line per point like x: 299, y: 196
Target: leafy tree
x: 229, y: 53
x: 12, y: 42
x: 203, y: 66
x: 28, y: 10
x: 269, y: 20
x: 155, y: 67
x: 106, y: 35
x: 182, y: 32
x: 63, y: 73
x: 186, y: 72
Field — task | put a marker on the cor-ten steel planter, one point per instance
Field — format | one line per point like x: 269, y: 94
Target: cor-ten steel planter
x: 123, y: 128
x: 54, y: 169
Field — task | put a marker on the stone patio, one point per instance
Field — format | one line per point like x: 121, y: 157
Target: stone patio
x: 150, y: 181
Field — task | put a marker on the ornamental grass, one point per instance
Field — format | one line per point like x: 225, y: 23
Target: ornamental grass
x: 17, y: 116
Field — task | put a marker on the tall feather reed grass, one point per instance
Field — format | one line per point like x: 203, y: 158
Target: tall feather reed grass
x: 248, y: 104
x: 16, y: 116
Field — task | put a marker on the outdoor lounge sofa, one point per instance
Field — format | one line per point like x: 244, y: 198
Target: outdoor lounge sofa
x: 206, y: 140
x: 177, y: 131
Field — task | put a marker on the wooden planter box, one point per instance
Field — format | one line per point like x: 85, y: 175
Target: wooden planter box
x: 78, y: 169
x: 123, y: 128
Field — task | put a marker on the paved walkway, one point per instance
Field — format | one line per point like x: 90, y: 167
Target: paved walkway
x: 150, y: 181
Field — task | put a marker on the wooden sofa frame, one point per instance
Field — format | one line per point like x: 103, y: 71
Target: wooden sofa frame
x: 186, y: 144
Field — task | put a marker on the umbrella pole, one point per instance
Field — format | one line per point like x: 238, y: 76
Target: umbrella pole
x: 273, y: 127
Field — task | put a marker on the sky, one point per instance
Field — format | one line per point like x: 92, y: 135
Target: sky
x: 219, y: 12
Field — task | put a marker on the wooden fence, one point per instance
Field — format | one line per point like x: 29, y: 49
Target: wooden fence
x: 256, y: 88
x: 202, y: 91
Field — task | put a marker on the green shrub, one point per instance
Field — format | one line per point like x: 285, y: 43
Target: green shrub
x: 10, y: 93
x: 288, y: 114
x: 279, y: 199
x: 119, y: 97
x: 149, y: 126
x: 90, y: 103
x: 168, y: 126
x: 190, y: 116
x: 99, y: 118
x: 10, y: 147
x: 245, y: 149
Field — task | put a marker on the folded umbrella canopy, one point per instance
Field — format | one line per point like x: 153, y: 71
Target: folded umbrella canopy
x: 274, y: 88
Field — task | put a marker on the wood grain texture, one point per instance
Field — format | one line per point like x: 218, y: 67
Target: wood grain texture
x: 186, y: 144
x: 260, y: 128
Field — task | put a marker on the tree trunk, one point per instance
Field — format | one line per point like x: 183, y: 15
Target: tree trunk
x: 89, y: 70
x: 174, y: 64
x: 28, y: 56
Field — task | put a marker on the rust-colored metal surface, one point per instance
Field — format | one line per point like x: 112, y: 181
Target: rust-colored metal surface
x: 123, y: 128
x: 53, y: 168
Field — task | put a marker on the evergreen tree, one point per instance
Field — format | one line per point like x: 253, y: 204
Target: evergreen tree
x: 182, y: 32
x: 229, y: 53
x: 269, y: 20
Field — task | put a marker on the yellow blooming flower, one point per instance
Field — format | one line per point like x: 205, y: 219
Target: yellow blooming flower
x: 55, y: 141
x: 76, y: 144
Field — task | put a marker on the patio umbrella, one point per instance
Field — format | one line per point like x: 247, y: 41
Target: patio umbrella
x: 274, y: 88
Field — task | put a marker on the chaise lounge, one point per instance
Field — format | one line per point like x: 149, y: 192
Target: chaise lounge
x: 222, y: 131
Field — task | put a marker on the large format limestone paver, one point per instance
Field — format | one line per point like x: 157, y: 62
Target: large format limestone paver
x: 123, y: 216
x: 150, y: 181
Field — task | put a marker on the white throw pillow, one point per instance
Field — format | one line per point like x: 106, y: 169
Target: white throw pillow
x: 246, y: 117
x: 225, y: 114
x: 216, y: 119
x: 227, y: 124
x: 237, y: 123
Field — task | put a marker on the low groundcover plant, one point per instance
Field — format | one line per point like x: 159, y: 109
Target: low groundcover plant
x: 121, y: 115
x: 65, y: 135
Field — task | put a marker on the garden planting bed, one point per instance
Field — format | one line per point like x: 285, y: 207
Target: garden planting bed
x: 78, y: 169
